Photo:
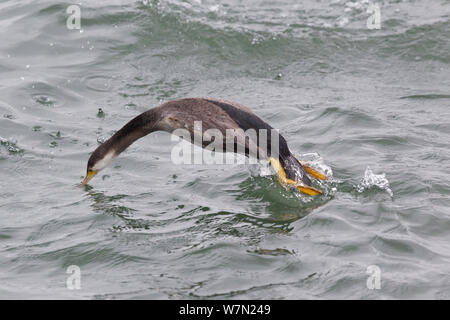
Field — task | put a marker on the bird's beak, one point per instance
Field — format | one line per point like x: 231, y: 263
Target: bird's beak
x: 89, y: 176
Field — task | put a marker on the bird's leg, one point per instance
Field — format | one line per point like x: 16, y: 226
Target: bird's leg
x: 283, y: 180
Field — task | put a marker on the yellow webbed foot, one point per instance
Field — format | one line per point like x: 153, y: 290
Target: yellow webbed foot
x: 283, y: 180
x: 316, y: 174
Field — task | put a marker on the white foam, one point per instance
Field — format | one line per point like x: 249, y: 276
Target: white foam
x: 265, y: 170
x: 374, y: 180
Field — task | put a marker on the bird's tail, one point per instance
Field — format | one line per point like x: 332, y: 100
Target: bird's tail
x: 291, y: 172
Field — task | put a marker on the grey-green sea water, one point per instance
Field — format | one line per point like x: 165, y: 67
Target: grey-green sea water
x: 371, y: 107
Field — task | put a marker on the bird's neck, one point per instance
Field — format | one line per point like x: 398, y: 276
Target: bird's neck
x: 136, y: 128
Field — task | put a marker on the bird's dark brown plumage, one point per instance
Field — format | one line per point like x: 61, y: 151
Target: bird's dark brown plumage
x: 214, y: 114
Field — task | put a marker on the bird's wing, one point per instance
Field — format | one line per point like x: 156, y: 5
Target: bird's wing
x: 201, y: 116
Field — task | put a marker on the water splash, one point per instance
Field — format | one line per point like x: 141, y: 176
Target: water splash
x: 330, y: 186
x: 265, y: 169
x: 374, y: 180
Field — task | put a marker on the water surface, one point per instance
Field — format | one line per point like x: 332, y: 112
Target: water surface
x: 372, y: 106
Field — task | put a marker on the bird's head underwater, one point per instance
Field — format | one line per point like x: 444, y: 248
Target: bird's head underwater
x: 99, y: 160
